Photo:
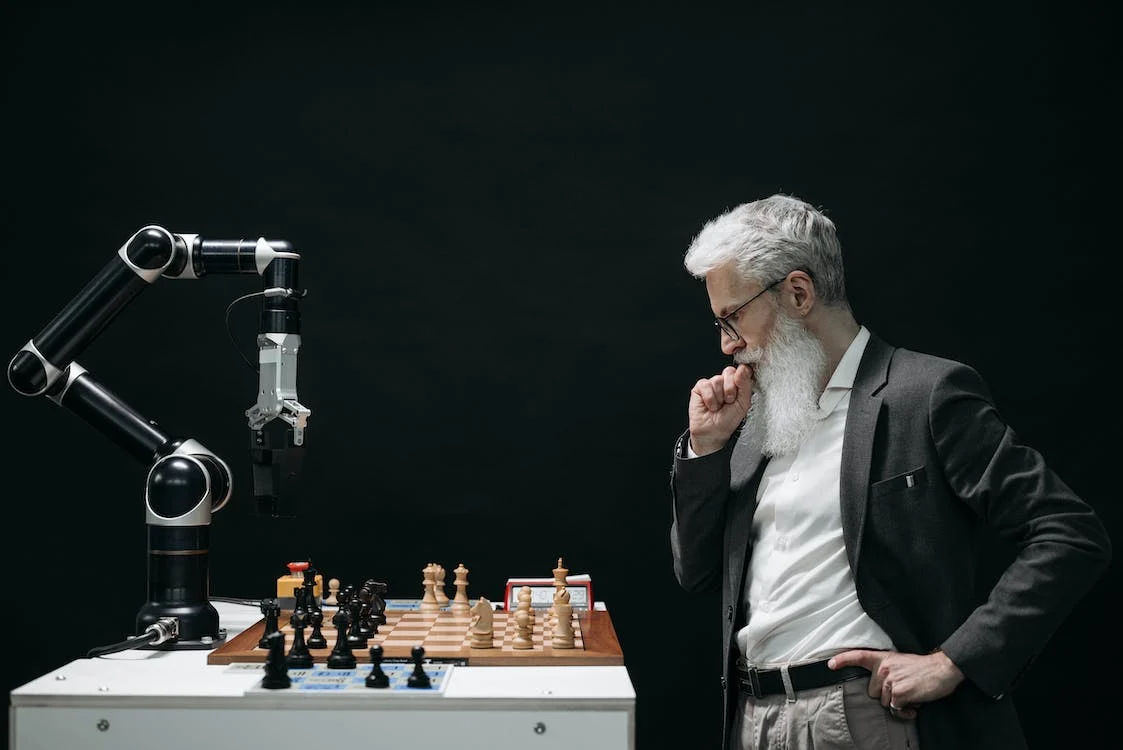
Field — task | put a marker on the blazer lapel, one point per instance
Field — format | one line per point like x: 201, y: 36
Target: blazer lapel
x: 857, y: 443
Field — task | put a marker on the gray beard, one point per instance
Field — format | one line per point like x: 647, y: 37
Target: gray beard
x: 787, y: 383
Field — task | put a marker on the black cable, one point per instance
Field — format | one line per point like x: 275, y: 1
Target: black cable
x: 164, y: 630
x: 134, y: 642
x: 230, y: 334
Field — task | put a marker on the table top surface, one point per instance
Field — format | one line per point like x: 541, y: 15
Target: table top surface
x: 154, y: 677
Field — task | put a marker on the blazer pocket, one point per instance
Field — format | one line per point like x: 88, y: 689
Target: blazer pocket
x: 909, y: 480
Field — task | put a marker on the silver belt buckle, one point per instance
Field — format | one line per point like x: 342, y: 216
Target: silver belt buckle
x: 754, y: 683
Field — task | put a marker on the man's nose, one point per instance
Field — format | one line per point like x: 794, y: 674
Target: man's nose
x: 730, y: 345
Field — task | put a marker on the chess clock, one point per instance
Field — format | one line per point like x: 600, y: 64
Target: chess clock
x: 542, y: 590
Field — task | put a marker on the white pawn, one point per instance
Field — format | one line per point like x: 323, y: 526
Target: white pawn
x: 333, y: 593
x: 524, y: 621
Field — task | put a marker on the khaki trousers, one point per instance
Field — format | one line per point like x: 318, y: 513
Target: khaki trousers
x: 836, y: 717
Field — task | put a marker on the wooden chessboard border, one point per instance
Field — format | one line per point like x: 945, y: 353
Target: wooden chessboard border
x: 600, y: 646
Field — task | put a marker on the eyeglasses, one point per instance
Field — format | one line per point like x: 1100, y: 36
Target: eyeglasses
x: 725, y: 325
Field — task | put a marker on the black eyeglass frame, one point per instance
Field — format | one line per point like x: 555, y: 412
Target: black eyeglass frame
x: 722, y: 322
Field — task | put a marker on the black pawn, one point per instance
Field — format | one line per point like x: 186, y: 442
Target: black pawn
x: 271, y: 608
x: 276, y: 670
x: 418, y: 679
x: 341, y: 656
x: 299, y: 656
x: 377, y: 678
x: 317, y: 639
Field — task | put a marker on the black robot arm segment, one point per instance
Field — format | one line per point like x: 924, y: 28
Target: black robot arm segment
x: 139, y: 262
x: 79, y: 392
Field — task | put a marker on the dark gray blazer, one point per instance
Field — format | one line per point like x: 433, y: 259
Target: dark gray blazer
x: 917, y: 547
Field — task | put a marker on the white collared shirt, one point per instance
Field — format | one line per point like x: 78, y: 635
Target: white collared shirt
x: 801, y: 597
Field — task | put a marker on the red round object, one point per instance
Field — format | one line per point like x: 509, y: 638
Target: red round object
x: 297, y: 567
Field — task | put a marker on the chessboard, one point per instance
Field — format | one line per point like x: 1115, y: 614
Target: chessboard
x: 445, y: 637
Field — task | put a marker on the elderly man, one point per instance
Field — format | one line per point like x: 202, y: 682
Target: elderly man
x: 837, y: 489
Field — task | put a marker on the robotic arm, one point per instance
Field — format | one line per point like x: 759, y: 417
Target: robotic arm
x: 186, y: 482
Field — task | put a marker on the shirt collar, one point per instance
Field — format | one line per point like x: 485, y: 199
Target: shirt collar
x: 842, y: 380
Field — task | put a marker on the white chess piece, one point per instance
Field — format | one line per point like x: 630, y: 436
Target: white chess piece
x: 563, y: 630
x: 429, y: 601
x: 481, y: 631
x: 439, y: 584
x: 460, y: 600
x: 333, y: 593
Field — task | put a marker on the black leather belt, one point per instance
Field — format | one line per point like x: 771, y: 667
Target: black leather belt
x: 761, y: 682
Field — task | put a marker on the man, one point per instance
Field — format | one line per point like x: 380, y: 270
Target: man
x: 840, y: 490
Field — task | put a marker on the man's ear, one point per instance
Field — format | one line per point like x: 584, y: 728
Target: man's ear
x: 801, y: 291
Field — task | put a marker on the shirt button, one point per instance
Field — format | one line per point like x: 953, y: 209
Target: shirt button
x: 729, y: 613
x: 795, y: 477
x: 723, y: 683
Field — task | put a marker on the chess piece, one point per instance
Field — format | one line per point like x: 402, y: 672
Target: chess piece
x: 276, y: 668
x: 316, y: 639
x: 366, y: 626
x: 333, y: 593
x: 377, y: 604
x: 341, y: 656
x: 271, y: 608
x: 439, y: 588
x: 429, y: 601
x: 524, y: 621
x: 299, y: 656
x: 345, y: 595
x: 418, y: 679
x: 460, y: 581
x: 355, y: 636
x: 310, y: 598
x: 481, y: 634
x: 563, y: 629
x: 560, y: 581
x: 377, y: 678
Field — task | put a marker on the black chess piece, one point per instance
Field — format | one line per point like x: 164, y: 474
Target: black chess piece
x: 377, y: 614
x: 378, y: 603
x: 418, y: 679
x: 276, y: 669
x: 377, y: 678
x: 341, y: 656
x: 271, y: 608
x: 366, y: 626
x: 299, y: 655
x: 317, y: 639
x: 310, y: 599
x: 345, y: 595
x: 355, y: 636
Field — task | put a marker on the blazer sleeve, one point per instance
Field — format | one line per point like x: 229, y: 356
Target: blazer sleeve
x: 699, y: 493
x: 1061, y: 545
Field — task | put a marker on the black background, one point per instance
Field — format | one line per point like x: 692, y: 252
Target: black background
x: 499, y: 338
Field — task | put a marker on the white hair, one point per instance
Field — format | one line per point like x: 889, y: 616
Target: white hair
x: 767, y: 239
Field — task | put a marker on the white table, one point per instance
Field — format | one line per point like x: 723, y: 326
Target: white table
x: 174, y: 700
